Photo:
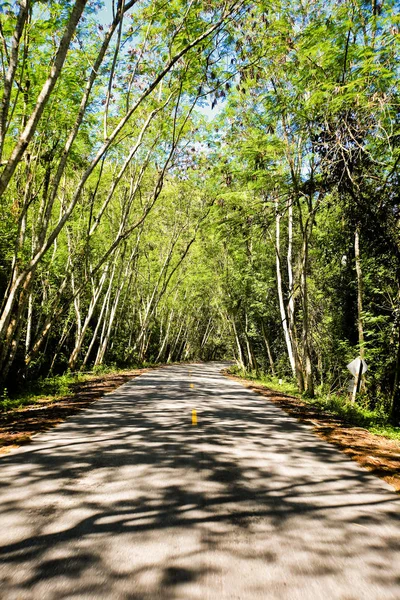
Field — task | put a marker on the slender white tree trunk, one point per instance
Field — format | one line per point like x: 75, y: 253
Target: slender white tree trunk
x: 360, y: 292
x: 282, y: 309
x: 268, y: 348
x: 240, y: 358
x: 93, y: 303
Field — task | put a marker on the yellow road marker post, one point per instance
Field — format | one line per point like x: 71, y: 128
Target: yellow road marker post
x: 194, y: 417
x: 192, y: 385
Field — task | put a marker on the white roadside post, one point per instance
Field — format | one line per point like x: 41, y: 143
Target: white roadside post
x: 357, y: 368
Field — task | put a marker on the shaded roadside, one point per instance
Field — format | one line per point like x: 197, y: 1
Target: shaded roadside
x: 19, y: 425
x: 379, y: 455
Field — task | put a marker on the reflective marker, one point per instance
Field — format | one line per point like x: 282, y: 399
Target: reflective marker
x: 194, y: 417
x: 192, y: 385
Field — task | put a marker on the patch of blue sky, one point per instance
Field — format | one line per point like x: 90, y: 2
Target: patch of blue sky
x: 105, y: 14
x: 209, y: 112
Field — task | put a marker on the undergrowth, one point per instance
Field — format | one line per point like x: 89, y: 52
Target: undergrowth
x: 376, y: 421
x: 47, y: 389
x: 51, y: 389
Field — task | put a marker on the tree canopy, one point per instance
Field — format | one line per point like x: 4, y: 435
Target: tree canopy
x: 201, y: 180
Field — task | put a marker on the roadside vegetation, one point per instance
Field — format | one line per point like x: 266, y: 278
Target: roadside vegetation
x: 44, y: 391
x: 201, y: 180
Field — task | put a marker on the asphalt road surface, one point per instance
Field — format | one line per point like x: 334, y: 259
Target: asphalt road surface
x: 129, y: 500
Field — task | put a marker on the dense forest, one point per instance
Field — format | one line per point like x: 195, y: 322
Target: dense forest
x: 201, y: 179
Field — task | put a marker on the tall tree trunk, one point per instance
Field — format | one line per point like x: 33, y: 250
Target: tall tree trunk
x: 80, y: 338
x: 206, y: 334
x: 49, y: 320
x: 360, y: 291
x: 11, y: 70
x: 102, y: 317
x: 28, y: 337
x: 252, y: 359
x: 175, y: 344
x: 64, y: 335
x: 13, y: 332
x: 268, y: 348
x: 163, y: 345
x: 395, y: 400
x: 308, y: 366
x: 291, y: 303
x: 240, y: 358
x: 284, y: 321
x: 182, y: 346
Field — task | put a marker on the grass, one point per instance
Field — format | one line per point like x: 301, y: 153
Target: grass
x: 48, y: 389
x: 51, y: 389
x: 376, y: 421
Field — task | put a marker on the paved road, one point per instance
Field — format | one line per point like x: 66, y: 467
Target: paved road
x: 128, y: 500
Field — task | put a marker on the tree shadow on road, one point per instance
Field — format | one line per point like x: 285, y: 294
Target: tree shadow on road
x: 129, y: 500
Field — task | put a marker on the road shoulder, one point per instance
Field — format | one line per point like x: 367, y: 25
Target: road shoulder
x: 377, y: 454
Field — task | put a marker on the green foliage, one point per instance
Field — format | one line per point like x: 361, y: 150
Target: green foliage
x: 279, y: 385
x: 171, y: 248
x: 46, y: 389
x: 104, y: 369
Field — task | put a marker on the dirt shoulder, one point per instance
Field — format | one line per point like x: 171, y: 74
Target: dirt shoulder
x: 18, y: 426
x: 379, y: 455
